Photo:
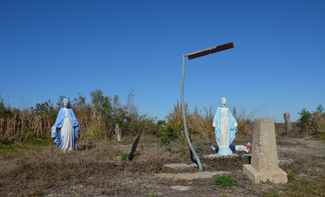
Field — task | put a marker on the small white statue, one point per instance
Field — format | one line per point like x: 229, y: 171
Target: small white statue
x: 225, y: 128
x: 117, y: 133
x: 66, y: 128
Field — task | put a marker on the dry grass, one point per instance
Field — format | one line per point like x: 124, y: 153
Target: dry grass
x: 286, y: 142
x: 199, y: 122
x: 26, y: 125
x: 96, y: 165
x: 47, y: 168
x: 148, y: 138
x: 101, y: 161
x: 97, y: 120
x: 318, y: 123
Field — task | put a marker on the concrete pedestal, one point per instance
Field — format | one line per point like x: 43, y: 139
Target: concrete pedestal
x: 276, y: 176
x: 264, y: 160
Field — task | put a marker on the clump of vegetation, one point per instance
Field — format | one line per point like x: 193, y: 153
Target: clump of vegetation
x: 199, y: 123
x: 10, y: 149
x: 306, y: 187
x: 90, y: 145
x: 167, y: 135
x: 199, y: 148
x: 312, y: 121
x: 5, y: 141
x: 266, y: 181
x: 124, y: 156
x: 320, y: 137
x: 225, y: 181
x: 291, y: 175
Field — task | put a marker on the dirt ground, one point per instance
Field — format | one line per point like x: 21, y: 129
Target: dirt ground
x: 96, y: 171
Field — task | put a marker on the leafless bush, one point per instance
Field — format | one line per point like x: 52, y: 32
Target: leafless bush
x: 245, y: 122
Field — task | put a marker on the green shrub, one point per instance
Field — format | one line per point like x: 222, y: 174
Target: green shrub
x: 6, y: 141
x: 312, y: 121
x: 267, y: 181
x: 199, y: 148
x: 90, y: 145
x: 168, y: 135
x: 319, y: 137
x: 225, y: 181
x: 305, y: 117
x: 124, y: 156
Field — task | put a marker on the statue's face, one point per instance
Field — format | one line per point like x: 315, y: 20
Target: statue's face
x: 65, y: 104
x: 224, y: 101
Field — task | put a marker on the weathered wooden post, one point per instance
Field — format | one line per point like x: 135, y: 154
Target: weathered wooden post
x: 287, y: 121
x: 117, y: 133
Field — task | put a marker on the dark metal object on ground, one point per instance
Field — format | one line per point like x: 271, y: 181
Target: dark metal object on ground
x: 135, y: 144
x: 192, y: 56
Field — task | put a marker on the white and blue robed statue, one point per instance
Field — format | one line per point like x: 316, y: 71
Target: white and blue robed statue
x: 225, y: 128
x: 66, y: 128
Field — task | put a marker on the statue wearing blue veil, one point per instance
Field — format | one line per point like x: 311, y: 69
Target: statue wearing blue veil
x: 225, y: 128
x: 66, y: 128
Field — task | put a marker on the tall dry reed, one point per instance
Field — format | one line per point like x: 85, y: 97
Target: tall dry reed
x: 96, y: 120
x: 199, y: 122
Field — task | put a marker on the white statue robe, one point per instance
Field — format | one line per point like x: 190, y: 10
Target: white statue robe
x: 67, y: 134
x: 225, y: 130
x: 225, y: 127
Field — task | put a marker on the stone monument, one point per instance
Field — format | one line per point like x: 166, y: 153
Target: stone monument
x: 225, y: 128
x: 264, y: 160
x: 66, y: 128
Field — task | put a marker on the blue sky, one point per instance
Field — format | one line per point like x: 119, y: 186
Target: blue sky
x: 52, y: 48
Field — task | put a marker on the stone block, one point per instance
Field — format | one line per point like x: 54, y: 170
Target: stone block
x: 264, y: 160
x: 275, y: 176
x: 190, y: 176
x: 181, y: 165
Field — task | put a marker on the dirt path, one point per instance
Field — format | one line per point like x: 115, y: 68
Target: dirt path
x: 301, y: 147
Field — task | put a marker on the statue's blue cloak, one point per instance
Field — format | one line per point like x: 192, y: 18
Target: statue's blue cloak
x: 217, y: 129
x: 59, y: 122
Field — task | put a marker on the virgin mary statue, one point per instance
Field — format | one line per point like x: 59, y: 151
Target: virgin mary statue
x: 66, y: 128
x: 225, y: 128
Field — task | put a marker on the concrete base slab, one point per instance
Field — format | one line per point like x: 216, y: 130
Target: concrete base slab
x: 213, y: 156
x: 190, y: 176
x: 181, y: 165
x: 275, y: 176
x: 180, y: 187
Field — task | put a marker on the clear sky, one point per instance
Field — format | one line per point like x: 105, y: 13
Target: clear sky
x: 52, y: 48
